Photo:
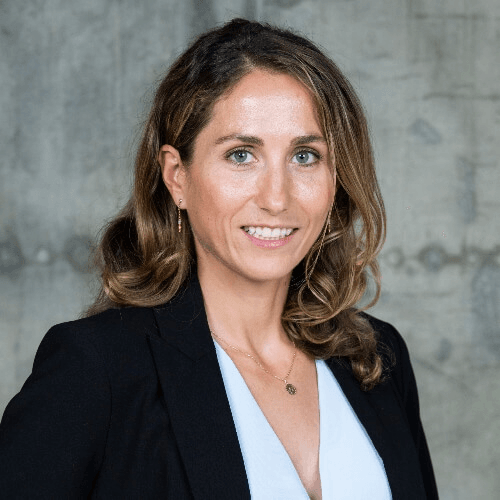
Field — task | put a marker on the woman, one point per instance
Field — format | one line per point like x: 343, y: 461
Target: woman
x: 225, y: 345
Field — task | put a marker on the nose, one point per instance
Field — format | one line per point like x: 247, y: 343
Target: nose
x: 274, y: 188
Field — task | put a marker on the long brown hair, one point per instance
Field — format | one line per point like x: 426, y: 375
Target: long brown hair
x: 144, y: 260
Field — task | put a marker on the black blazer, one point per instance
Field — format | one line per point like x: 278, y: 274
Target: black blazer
x: 131, y: 404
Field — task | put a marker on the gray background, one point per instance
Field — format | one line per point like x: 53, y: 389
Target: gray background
x: 75, y: 80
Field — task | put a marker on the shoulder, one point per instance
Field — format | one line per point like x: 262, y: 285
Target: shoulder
x: 135, y: 322
x: 110, y: 338
x: 390, y: 342
x: 394, y: 352
x: 386, y: 332
x: 111, y: 320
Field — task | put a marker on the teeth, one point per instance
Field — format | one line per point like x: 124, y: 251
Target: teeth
x: 267, y: 232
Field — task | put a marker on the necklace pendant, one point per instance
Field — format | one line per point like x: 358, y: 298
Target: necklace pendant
x: 290, y: 388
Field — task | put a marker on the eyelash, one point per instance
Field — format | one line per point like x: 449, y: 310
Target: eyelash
x: 248, y: 150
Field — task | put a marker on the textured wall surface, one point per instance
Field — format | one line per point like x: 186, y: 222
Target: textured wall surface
x: 75, y: 78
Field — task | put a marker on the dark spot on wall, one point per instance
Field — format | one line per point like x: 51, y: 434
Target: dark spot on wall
x: 286, y: 3
x: 11, y: 257
x: 444, y: 350
x: 485, y: 288
x: 203, y: 16
x: 433, y: 257
x: 411, y: 270
x: 77, y: 250
x: 449, y: 15
x: 467, y: 190
x: 425, y: 132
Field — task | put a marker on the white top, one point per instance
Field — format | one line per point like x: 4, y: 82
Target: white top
x: 350, y: 467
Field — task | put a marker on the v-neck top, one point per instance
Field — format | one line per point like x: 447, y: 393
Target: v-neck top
x: 350, y: 467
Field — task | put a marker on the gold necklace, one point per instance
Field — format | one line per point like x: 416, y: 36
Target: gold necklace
x: 290, y: 388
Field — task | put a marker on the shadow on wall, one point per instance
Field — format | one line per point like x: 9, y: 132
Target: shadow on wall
x: 77, y: 250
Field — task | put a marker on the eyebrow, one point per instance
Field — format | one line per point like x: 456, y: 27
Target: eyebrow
x: 251, y: 139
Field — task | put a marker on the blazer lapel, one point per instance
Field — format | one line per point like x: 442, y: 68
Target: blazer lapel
x: 195, y: 398
x: 380, y: 414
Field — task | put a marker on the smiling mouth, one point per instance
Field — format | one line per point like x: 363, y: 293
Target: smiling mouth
x: 267, y: 233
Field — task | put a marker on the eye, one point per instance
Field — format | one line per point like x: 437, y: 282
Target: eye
x: 239, y: 156
x: 306, y: 157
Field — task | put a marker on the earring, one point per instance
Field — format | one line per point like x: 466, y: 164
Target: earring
x: 329, y: 220
x: 179, y: 220
x: 325, y: 230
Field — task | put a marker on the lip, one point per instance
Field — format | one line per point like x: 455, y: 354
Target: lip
x: 270, y: 243
x: 269, y: 226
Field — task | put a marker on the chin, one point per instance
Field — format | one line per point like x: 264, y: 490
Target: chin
x: 263, y: 274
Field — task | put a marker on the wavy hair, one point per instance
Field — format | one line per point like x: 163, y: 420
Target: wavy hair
x: 142, y: 258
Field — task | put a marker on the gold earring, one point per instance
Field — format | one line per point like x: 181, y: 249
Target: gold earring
x: 179, y: 220
x: 329, y: 220
x: 325, y: 230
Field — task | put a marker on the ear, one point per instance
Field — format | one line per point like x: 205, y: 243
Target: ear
x: 173, y: 173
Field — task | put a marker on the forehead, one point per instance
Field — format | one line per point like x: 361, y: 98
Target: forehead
x: 266, y: 97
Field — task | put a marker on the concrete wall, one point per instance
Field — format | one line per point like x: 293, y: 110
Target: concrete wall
x: 74, y: 82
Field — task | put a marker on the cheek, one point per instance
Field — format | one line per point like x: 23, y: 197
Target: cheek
x: 200, y: 199
x: 232, y: 189
x: 228, y: 190
x: 315, y: 192
x: 214, y: 199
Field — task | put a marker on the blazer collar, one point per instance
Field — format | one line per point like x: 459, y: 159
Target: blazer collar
x: 380, y: 413
x: 183, y: 322
x: 196, y: 401
x: 195, y: 397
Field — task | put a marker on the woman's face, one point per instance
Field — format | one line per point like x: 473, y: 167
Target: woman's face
x: 260, y: 169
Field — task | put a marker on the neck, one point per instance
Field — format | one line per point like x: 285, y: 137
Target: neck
x: 245, y: 313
